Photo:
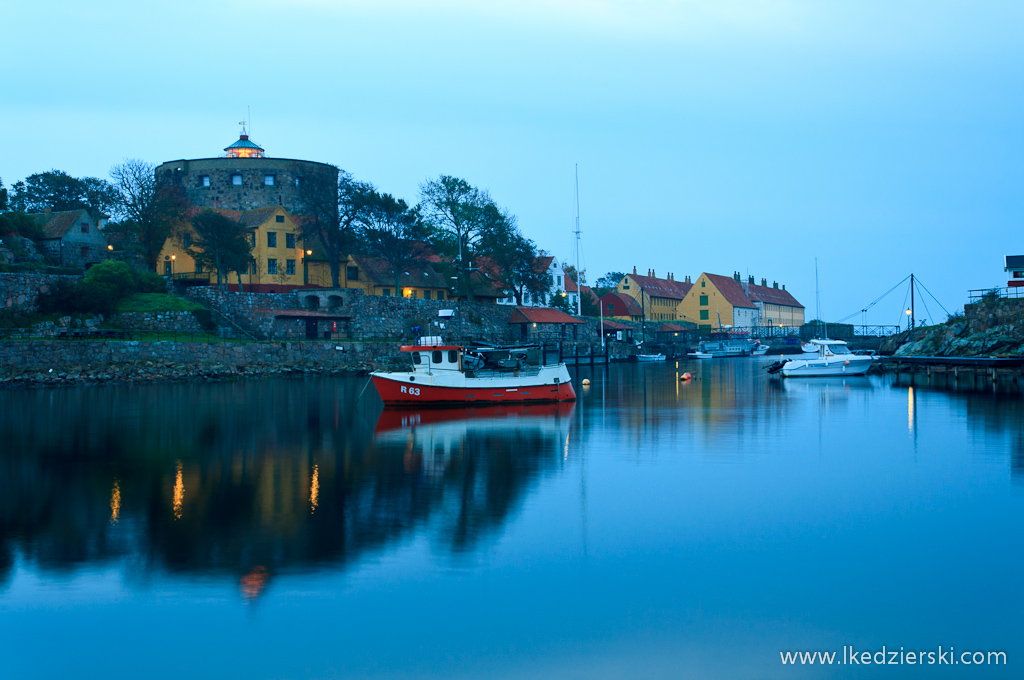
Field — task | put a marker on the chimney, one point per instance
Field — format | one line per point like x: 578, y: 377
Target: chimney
x: 634, y: 270
x: 688, y: 278
x: 783, y: 286
x: 750, y: 280
x: 764, y: 283
x: 653, y: 275
x: 775, y: 284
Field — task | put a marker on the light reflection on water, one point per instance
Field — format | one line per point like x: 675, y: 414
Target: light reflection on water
x: 658, y: 527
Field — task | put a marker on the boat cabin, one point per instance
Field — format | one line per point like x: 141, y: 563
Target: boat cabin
x: 473, y: 361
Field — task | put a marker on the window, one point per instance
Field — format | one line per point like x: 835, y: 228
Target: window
x: 289, y: 267
x: 352, y: 273
x: 559, y: 284
x: 289, y: 239
x: 625, y: 286
x: 386, y: 292
x: 271, y: 239
x: 85, y: 227
x: 702, y: 284
x: 704, y: 300
x: 416, y: 358
x: 236, y: 180
x: 252, y: 239
x: 298, y: 181
x: 205, y: 180
x: 279, y: 218
x: 85, y: 251
x: 199, y: 267
x: 453, y: 356
x: 268, y: 180
x: 703, y: 315
x: 271, y: 266
x: 186, y: 240
x: 426, y: 295
x: 435, y: 356
x: 611, y: 307
x: 167, y: 268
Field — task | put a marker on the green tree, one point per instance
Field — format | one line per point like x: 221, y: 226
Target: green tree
x: 332, y: 214
x: 150, y: 213
x: 60, y: 191
x: 391, y: 231
x: 455, y: 212
x: 510, y: 253
x: 220, y: 243
x: 3, y: 196
x: 608, y: 282
x: 116, y: 276
x: 560, y: 301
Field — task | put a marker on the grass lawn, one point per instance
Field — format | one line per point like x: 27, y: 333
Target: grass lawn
x: 156, y: 302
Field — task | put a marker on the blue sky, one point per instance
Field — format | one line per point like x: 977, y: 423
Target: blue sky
x: 880, y: 137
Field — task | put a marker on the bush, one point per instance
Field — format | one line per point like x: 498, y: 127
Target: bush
x: 151, y: 282
x: 117, y: 277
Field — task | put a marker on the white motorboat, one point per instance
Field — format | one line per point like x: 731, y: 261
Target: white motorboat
x: 701, y: 355
x: 650, y: 357
x: 809, y: 348
x: 834, y: 359
x: 760, y: 349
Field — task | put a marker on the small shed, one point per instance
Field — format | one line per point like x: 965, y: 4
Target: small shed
x: 613, y: 330
x: 543, y: 323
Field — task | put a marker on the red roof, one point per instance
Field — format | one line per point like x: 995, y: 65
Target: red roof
x: 541, y: 315
x: 772, y: 296
x: 570, y: 285
x: 671, y: 328
x: 663, y: 288
x: 588, y: 292
x: 624, y: 305
x: 731, y: 290
x: 610, y: 325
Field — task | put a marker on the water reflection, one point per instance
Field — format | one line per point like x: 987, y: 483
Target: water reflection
x: 254, y: 479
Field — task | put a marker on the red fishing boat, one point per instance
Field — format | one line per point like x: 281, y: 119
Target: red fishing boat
x: 446, y: 375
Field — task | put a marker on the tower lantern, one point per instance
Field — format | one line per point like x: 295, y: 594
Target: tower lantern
x: 244, y: 148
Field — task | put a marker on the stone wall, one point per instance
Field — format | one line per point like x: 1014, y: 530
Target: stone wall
x: 182, y: 322
x: 20, y: 291
x: 982, y: 316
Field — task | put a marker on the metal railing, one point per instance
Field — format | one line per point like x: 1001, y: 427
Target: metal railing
x: 986, y: 294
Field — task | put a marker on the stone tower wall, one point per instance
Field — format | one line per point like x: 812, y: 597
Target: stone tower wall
x: 253, y: 192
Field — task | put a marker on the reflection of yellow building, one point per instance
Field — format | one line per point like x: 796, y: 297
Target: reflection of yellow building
x: 278, y: 257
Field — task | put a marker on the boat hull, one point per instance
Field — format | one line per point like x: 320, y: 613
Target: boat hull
x: 817, y: 368
x: 403, y: 393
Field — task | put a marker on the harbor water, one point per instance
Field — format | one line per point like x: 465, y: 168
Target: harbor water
x: 657, y: 528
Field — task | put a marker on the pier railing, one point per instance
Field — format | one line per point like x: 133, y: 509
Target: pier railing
x: 985, y: 294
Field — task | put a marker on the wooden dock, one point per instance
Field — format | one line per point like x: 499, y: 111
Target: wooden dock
x: 998, y: 374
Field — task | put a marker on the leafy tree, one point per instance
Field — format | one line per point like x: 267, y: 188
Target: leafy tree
x: 390, y: 231
x: 150, y: 213
x: 60, y: 191
x: 456, y: 214
x: 3, y: 196
x: 560, y: 301
x: 608, y: 281
x: 512, y: 254
x: 332, y: 214
x: 117, y: 276
x: 588, y: 306
x: 20, y: 224
x: 220, y: 243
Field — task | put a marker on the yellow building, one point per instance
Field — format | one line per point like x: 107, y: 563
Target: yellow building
x: 659, y: 299
x: 375, y: 276
x: 278, y: 256
x: 718, y: 301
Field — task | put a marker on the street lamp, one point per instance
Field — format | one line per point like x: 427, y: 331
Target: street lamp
x: 173, y: 257
x: 908, y: 319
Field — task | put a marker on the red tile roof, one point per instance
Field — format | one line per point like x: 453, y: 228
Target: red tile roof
x: 731, y: 290
x: 663, y: 288
x: 610, y: 325
x: 417, y: 275
x: 671, y: 328
x: 772, y: 296
x: 541, y: 315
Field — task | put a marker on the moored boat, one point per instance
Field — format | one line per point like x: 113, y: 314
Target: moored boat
x: 834, y: 359
x: 445, y: 375
x: 650, y: 357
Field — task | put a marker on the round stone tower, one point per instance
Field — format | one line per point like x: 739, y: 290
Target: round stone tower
x: 244, y: 178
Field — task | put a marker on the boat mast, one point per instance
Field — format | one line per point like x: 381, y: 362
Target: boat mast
x: 579, y: 274
x: 817, y: 301
x: 911, y: 326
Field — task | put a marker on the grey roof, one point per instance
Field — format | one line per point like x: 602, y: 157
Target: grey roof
x: 244, y: 143
x: 1015, y: 261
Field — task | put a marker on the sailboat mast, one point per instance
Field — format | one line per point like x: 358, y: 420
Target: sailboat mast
x: 579, y: 277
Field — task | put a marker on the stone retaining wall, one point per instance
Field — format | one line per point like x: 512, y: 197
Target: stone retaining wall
x: 181, y: 322
x: 20, y: 291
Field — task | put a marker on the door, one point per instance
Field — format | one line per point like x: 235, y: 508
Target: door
x: 310, y: 329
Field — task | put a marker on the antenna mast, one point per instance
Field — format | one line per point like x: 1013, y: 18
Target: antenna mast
x: 579, y: 274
